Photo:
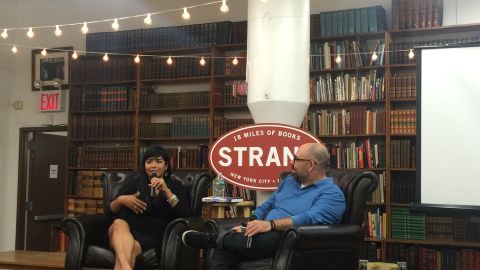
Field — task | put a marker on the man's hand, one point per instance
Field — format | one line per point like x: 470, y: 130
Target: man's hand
x: 257, y: 226
x: 133, y: 202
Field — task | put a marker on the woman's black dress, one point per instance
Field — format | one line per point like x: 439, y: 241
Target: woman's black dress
x: 148, y: 227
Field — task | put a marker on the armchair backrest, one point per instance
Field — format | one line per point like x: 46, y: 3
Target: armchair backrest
x: 356, y: 187
x: 112, y: 182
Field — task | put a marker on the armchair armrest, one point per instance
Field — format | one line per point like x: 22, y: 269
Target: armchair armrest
x: 173, y: 251
x: 321, y: 238
x: 83, y: 231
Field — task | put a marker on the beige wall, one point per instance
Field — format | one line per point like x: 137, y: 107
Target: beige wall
x: 15, y: 71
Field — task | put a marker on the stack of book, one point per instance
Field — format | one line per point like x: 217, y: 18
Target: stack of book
x: 406, y: 225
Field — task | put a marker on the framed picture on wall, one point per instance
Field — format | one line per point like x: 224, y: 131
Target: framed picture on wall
x: 51, y: 71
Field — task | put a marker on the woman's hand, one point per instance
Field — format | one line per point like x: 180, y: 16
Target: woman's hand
x: 158, y: 183
x: 133, y: 202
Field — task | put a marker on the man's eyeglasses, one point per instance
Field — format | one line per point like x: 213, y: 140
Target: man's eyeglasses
x: 295, y: 159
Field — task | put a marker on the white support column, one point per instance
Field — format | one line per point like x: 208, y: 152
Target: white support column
x: 278, y: 62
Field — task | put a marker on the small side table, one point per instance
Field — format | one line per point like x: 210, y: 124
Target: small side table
x: 237, y: 209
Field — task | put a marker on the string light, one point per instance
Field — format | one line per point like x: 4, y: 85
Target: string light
x: 411, y: 54
x: 105, y: 57
x: 4, y: 34
x: 202, y: 61
x: 224, y: 8
x: 115, y: 25
x: 44, y: 52
x: 137, y: 59
x: 235, y: 61
x: 14, y: 49
x: 84, y: 28
x: 374, y: 56
x: 58, y: 32
x: 74, y: 55
x: 169, y: 60
x: 30, y: 33
x: 338, y: 60
x: 148, y: 19
x: 185, y: 15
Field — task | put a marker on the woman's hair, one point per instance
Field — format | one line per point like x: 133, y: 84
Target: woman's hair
x: 156, y: 151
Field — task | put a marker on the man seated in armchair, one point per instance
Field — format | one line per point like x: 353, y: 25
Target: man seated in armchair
x: 305, y: 197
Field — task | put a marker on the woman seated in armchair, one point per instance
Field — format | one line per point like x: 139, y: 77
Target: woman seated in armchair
x: 144, y: 207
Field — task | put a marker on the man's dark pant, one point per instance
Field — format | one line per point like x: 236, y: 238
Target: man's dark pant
x: 232, y: 249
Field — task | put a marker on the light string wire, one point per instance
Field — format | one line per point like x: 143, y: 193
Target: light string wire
x: 182, y: 56
x: 112, y: 19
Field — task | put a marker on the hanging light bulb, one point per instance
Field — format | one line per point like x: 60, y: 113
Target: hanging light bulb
x: 235, y: 61
x: 224, y: 8
x: 185, y: 15
x: 411, y: 54
x: 74, y: 55
x: 115, y: 25
x: 30, y: 33
x: 4, y: 34
x: 14, y: 49
x: 374, y: 56
x: 148, y: 19
x: 105, y: 57
x: 202, y: 61
x: 137, y: 59
x: 169, y: 60
x: 57, y: 31
x: 84, y: 28
x: 44, y: 52
x: 338, y: 60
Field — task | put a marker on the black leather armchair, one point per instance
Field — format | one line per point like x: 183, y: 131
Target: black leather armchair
x: 86, y: 247
x: 323, y: 247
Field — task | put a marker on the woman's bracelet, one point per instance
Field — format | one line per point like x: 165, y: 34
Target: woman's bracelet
x: 173, y: 200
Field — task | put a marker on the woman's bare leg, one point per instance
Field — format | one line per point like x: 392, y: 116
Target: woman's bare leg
x: 125, y: 246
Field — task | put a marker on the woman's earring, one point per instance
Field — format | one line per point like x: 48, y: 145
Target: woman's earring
x: 165, y: 174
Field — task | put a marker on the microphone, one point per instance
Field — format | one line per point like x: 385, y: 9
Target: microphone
x: 152, y: 191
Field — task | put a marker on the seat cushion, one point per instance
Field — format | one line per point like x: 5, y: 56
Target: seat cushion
x: 100, y: 257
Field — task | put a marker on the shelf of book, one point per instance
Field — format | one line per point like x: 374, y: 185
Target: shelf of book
x: 105, y: 83
x: 174, y: 110
x: 403, y: 100
x: 345, y: 70
x: 346, y: 102
x: 103, y: 112
x: 100, y: 169
x: 189, y: 139
x: 421, y: 32
x: 179, y: 80
x: 435, y: 243
x: 350, y: 136
x: 104, y: 140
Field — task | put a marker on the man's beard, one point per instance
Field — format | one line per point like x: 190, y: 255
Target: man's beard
x: 298, y: 177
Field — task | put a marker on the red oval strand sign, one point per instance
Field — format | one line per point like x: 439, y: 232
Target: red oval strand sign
x: 254, y: 156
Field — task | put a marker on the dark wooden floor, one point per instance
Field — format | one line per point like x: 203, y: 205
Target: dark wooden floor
x: 20, y: 259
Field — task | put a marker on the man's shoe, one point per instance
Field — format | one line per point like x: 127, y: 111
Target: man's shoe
x: 196, y: 239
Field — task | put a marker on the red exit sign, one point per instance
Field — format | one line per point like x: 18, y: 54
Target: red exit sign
x: 51, y: 101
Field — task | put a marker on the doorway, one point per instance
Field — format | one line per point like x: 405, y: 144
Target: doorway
x: 41, y: 187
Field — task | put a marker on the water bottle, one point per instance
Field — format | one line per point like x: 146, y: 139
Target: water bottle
x: 218, y: 188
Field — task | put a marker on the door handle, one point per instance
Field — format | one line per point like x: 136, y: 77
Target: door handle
x: 48, y: 217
